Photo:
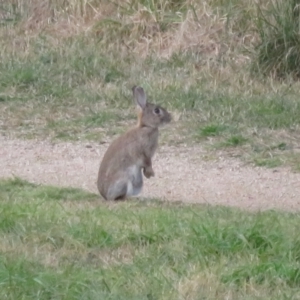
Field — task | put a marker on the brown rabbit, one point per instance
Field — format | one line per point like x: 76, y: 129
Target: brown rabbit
x: 120, y: 173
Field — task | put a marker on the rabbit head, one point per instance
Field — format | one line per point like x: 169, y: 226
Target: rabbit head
x: 150, y: 115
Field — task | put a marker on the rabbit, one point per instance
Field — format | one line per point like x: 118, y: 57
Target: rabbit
x: 120, y: 173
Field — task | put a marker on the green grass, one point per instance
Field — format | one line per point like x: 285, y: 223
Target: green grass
x: 211, y: 130
x: 277, y: 53
x: 63, y: 243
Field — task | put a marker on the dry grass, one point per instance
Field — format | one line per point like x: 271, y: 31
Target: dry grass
x: 68, y: 70
x: 214, y: 31
x: 141, y: 27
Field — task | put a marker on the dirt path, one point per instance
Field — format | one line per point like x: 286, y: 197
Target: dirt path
x: 181, y: 174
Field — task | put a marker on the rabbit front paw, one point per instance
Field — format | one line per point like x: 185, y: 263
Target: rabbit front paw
x: 148, y: 172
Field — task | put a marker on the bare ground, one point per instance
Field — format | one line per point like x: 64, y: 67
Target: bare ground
x: 181, y: 174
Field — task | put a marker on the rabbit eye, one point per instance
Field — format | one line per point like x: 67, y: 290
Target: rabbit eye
x: 156, y: 110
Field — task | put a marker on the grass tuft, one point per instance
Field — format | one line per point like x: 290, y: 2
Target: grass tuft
x: 278, y: 28
x: 211, y: 130
x: 236, y: 140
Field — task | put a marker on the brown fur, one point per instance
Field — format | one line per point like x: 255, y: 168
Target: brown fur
x: 120, y: 172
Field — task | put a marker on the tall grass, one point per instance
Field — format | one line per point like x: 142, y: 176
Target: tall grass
x: 144, y: 27
x: 67, y: 68
x: 278, y: 25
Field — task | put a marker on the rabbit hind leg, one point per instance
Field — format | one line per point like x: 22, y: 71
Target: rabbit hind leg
x: 118, y: 190
x: 127, y: 185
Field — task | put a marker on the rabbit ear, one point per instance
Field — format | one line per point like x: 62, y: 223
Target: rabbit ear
x: 139, y: 96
